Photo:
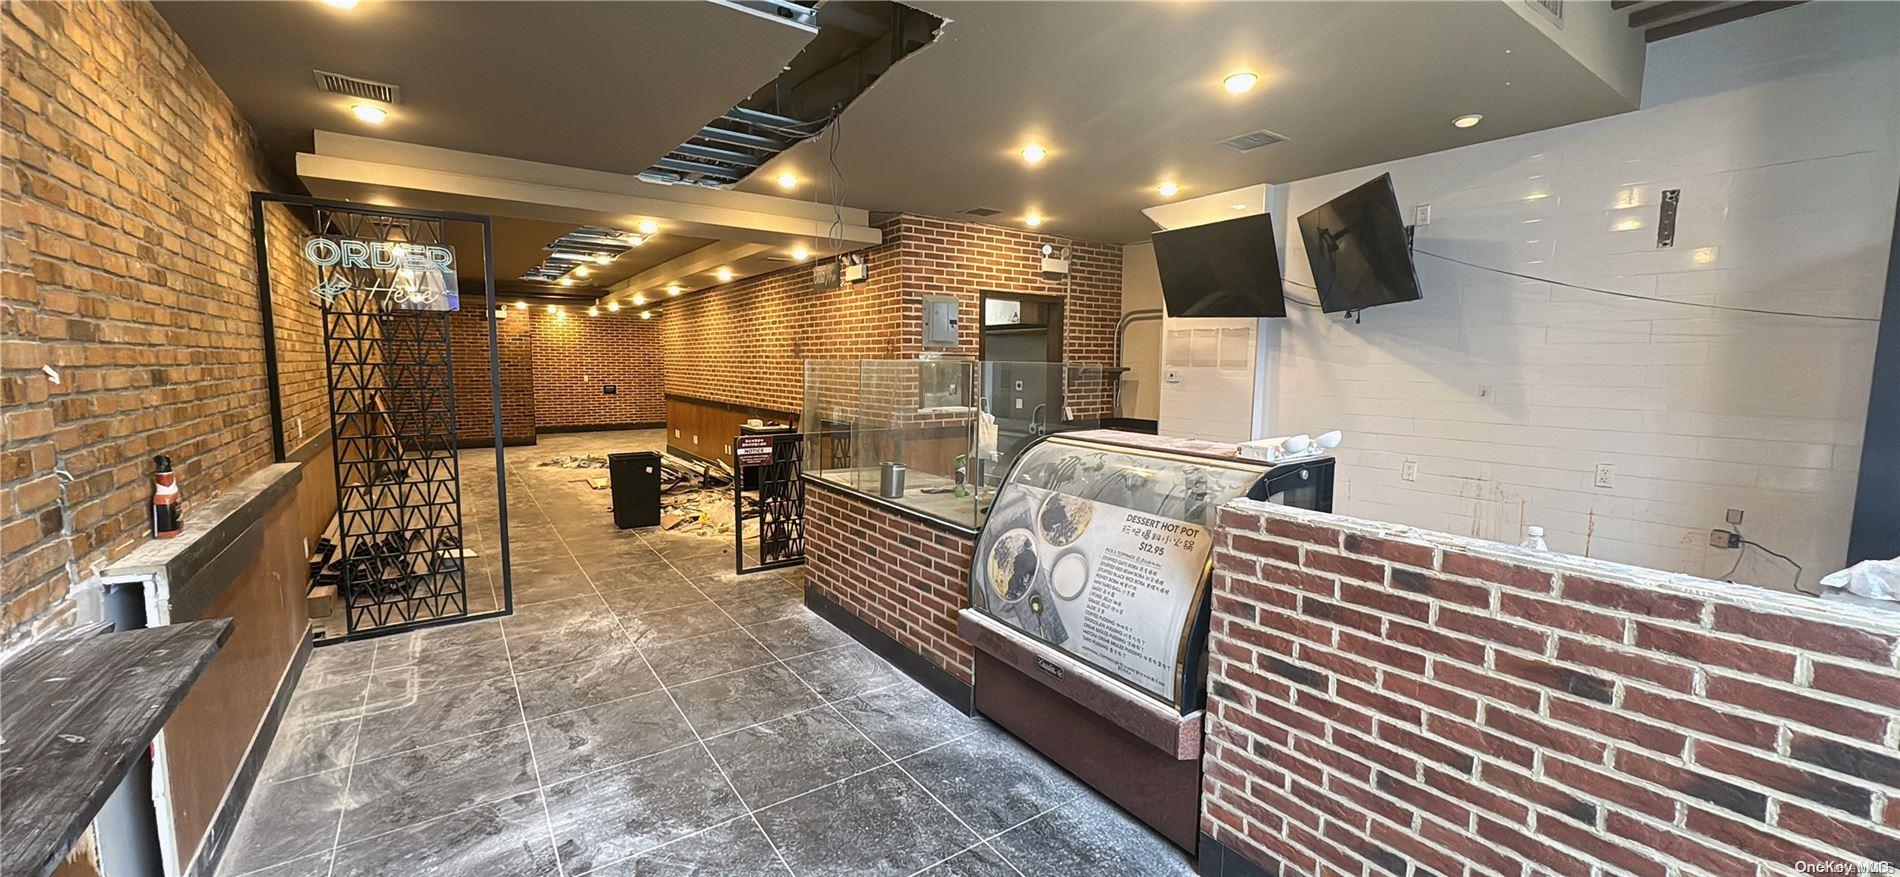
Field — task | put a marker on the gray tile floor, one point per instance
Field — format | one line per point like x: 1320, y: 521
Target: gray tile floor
x: 646, y: 712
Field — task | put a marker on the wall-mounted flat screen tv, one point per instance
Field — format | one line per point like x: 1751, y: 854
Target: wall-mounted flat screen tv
x: 1356, y: 244
x: 1221, y: 269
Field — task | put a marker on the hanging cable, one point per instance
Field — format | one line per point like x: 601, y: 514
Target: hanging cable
x: 1631, y: 295
x: 1300, y: 301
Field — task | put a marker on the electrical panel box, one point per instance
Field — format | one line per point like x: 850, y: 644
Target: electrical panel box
x: 940, y: 321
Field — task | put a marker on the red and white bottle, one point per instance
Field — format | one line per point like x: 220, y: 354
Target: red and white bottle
x: 168, y: 517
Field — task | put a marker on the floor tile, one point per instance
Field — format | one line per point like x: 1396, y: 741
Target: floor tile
x: 683, y: 622
x: 760, y: 602
x: 566, y: 644
x: 992, y: 780
x: 799, y: 633
x: 533, y: 587
x: 734, y: 849
x: 397, y: 791
x: 1091, y: 836
x: 792, y: 755
x: 874, y: 823
x: 427, y: 663
x: 643, y: 597
x: 980, y: 861
x: 508, y: 836
x: 735, y: 700
x: 338, y: 661
x: 573, y: 743
x: 401, y: 649
x: 327, y: 699
x: 556, y: 616
x: 627, y: 810
x: 688, y: 660
x: 431, y: 715
x: 902, y: 719
x: 309, y: 747
x: 285, y: 821
x: 845, y: 671
x: 610, y: 674
x: 309, y: 866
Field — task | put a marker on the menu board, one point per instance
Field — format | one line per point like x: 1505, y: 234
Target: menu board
x: 1101, y: 552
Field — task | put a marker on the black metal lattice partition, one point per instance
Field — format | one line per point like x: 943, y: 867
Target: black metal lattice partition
x: 392, y: 417
x: 780, y: 506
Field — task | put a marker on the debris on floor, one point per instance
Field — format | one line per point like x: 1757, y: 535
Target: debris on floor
x: 600, y: 482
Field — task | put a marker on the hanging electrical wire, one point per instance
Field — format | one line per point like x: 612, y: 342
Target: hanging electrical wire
x: 1631, y: 295
x: 834, y: 234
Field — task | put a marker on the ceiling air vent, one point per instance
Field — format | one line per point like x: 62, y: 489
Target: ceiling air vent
x: 981, y: 211
x: 1253, y: 140
x: 1552, y: 9
x: 367, y: 89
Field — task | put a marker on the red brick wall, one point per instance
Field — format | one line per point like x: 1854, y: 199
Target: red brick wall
x: 1379, y: 699
x: 746, y: 343
x: 575, y: 357
x: 474, y: 390
x: 906, y: 578
x: 125, y: 177
x: 297, y: 323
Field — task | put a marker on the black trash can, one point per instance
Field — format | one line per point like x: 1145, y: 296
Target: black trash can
x: 635, y: 479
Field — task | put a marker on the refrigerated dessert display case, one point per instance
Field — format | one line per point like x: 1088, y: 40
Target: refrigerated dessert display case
x: 1089, y: 606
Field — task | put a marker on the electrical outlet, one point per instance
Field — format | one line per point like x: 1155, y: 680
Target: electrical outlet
x: 1735, y: 517
x: 1408, y: 470
x: 1422, y: 214
x: 1604, y: 471
x: 676, y: 433
x: 1725, y: 539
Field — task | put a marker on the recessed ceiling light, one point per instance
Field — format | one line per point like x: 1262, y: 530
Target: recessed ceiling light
x: 553, y: 308
x: 788, y: 180
x: 648, y: 226
x: 724, y: 275
x: 613, y: 306
x: 1240, y: 205
x: 672, y: 289
x: 593, y: 312
x: 1034, y: 153
x: 639, y: 299
x: 800, y: 254
x: 1033, y: 220
x: 566, y: 281
x: 1468, y: 120
x: 1240, y: 83
x: 521, y: 305
x: 340, y: 4
x: 1168, y: 190
x: 370, y: 113
x: 646, y: 315
x: 603, y: 259
x: 580, y: 271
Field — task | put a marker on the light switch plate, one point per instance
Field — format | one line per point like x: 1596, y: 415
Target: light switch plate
x: 1408, y: 470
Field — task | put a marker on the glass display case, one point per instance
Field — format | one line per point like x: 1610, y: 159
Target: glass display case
x: 1101, y: 547
x: 952, y: 427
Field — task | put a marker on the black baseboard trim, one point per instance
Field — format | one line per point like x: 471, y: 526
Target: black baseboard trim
x: 954, y: 691
x: 1132, y: 424
x: 480, y: 442
x: 602, y: 427
x: 224, y: 823
x: 1216, y: 859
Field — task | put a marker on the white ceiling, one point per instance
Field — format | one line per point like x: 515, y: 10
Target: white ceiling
x: 1125, y: 95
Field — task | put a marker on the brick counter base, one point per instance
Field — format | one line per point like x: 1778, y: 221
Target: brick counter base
x: 1387, y: 701
x: 902, y: 576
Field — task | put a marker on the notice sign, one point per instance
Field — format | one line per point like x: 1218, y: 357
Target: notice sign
x: 1109, y: 584
x: 752, y: 450
x: 408, y: 276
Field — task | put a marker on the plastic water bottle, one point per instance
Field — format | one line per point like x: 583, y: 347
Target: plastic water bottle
x: 1534, y: 539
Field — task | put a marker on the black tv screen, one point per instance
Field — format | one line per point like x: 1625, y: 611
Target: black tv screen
x: 1221, y: 269
x: 1356, y: 245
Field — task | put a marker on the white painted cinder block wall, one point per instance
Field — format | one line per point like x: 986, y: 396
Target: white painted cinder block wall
x: 1783, y: 133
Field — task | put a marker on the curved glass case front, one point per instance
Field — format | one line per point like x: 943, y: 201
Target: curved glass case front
x: 1102, y: 551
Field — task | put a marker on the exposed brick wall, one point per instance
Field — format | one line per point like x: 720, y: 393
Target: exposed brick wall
x: 128, y: 267
x: 906, y: 578
x: 1382, y: 698
x: 297, y: 324
x: 746, y: 343
x: 577, y: 356
x: 474, y: 391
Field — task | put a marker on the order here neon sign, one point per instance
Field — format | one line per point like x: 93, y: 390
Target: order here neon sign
x: 408, y: 276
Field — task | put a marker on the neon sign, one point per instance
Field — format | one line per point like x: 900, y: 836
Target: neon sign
x: 418, y: 277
